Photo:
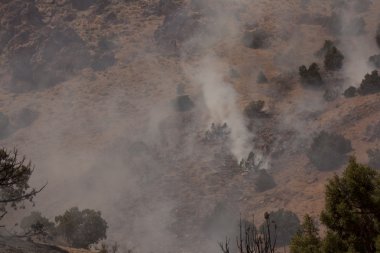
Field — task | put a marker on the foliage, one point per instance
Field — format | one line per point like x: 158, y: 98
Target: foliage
x: 374, y: 158
x: 14, y: 181
x: 328, y: 150
x: 251, y: 240
x: 81, y: 228
x: 307, y: 238
x: 255, y: 109
x: 30, y: 222
x: 333, y: 59
x: 311, y: 75
x: 287, y: 224
x: 370, y: 84
x: 352, y: 207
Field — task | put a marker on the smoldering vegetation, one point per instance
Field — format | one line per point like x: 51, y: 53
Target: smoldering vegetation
x: 174, y: 117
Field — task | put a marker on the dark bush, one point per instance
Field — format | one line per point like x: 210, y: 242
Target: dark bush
x: 370, y: 84
x: 328, y: 150
x: 333, y: 59
x: 251, y: 163
x: 264, y: 181
x: 183, y: 103
x: 375, y: 60
x: 256, y: 39
x: 255, y: 110
x: 37, y: 225
x: 103, y: 61
x: 81, y: 228
x: 287, y: 224
x: 374, y: 158
x: 165, y: 7
x: 350, y: 92
x: 310, y: 76
x: 261, y: 78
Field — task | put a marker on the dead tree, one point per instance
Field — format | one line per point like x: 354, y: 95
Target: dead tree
x: 251, y: 240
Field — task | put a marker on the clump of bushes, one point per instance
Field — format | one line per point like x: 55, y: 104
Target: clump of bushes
x: 374, y: 158
x: 333, y: 59
x: 264, y: 181
x: 255, y: 109
x: 183, y: 103
x: 251, y: 163
x: 256, y: 39
x: 311, y: 75
x: 328, y: 150
x: 369, y: 85
x: 287, y: 224
x: 79, y: 229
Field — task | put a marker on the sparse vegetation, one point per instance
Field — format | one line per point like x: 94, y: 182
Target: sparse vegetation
x: 217, y: 132
x: 287, y: 224
x: 256, y: 39
x: 255, y: 109
x: 252, y: 240
x: 311, y: 75
x: 333, y: 59
x: 328, y: 150
x: 264, y: 181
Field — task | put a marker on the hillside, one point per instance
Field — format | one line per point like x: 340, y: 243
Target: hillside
x: 93, y: 93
